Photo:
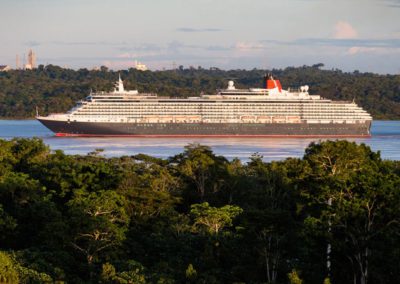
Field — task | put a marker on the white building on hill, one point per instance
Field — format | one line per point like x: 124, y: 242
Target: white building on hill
x: 4, y: 68
x: 140, y: 66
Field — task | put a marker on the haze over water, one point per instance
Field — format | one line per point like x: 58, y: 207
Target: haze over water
x: 385, y: 138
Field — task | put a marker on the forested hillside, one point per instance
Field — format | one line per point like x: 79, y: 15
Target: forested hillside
x: 54, y: 89
x: 197, y: 217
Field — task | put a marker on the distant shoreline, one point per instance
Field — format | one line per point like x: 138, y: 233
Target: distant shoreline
x: 56, y: 90
x: 16, y: 118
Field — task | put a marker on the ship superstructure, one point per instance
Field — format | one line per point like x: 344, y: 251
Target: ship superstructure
x: 268, y: 111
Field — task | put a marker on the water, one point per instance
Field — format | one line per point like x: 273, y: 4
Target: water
x: 385, y: 138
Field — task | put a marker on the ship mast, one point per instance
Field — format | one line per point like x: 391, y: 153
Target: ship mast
x: 120, y: 84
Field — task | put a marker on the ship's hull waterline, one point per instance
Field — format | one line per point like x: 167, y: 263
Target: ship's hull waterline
x: 123, y: 129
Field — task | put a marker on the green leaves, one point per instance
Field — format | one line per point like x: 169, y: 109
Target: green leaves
x: 99, y: 222
x: 349, y: 197
x: 8, y: 269
x: 11, y: 271
x: 135, y: 274
x: 141, y: 219
x: 202, y: 167
x: 7, y: 222
x: 56, y: 89
x: 211, y: 219
x: 339, y: 159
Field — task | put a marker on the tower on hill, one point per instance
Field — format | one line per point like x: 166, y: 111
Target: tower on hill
x: 31, y: 61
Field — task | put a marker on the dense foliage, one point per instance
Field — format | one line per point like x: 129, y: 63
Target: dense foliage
x: 54, y: 89
x: 330, y: 217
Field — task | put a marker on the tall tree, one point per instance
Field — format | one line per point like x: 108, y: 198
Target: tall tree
x: 98, y: 223
x: 211, y: 219
x: 201, y: 166
x: 352, y: 198
x: 269, y: 218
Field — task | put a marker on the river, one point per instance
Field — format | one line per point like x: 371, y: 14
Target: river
x: 385, y: 138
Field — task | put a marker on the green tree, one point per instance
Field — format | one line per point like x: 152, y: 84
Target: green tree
x: 199, y: 165
x: 11, y: 271
x: 86, y: 218
x: 353, y: 198
x: 133, y: 275
x: 7, y: 224
x: 149, y: 189
x: 56, y: 89
x: 28, y: 152
x: 294, y: 277
x: 8, y: 269
x: 99, y: 222
x: 191, y: 273
x: 7, y: 159
x: 269, y: 218
x: 212, y: 219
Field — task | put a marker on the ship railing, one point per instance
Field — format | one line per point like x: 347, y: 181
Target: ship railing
x: 118, y: 94
x: 57, y: 116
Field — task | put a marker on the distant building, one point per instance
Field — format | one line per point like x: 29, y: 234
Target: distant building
x: 4, y: 68
x: 140, y: 66
x: 31, y: 61
x: 17, y: 62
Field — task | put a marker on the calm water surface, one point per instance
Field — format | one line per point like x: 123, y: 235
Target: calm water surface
x: 385, y: 138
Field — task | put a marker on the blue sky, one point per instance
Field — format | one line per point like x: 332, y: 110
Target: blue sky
x: 345, y: 34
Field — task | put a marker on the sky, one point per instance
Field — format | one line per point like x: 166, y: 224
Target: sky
x: 349, y: 35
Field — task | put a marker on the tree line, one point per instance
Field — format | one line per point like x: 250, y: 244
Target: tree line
x: 55, y: 89
x: 331, y: 216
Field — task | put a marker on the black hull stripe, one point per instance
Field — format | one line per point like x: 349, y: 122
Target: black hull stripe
x: 62, y: 128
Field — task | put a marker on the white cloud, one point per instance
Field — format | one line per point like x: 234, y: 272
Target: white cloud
x: 247, y: 46
x: 376, y: 50
x: 358, y: 49
x: 343, y: 30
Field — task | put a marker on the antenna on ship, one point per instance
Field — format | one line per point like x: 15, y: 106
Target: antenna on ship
x: 120, y: 84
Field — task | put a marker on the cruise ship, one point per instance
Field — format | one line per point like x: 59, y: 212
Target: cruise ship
x: 255, y: 112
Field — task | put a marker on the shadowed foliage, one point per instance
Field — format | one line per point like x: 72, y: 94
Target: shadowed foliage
x: 330, y: 217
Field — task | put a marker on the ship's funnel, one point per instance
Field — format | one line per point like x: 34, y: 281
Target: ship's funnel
x: 270, y: 83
